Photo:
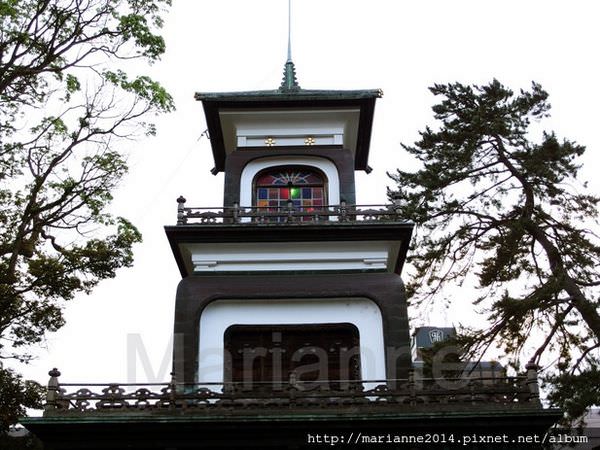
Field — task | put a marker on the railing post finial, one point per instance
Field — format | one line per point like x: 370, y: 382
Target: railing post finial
x: 180, y: 210
x: 532, y: 379
x: 236, y: 212
x: 53, y: 390
x: 343, y: 211
x: 173, y: 389
x: 293, y: 381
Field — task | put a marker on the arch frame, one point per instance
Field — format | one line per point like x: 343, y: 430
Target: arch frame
x: 256, y: 166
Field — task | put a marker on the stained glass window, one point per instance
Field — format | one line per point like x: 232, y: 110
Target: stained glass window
x: 305, y: 188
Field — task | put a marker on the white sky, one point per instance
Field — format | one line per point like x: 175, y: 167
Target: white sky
x: 401, y: 47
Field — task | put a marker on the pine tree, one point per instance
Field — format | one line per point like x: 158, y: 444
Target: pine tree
x: 494, y: 207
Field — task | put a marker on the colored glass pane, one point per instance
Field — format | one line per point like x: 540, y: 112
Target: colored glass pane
x: 264, y: 180
x: 313, y: 179
x: 303, y: 187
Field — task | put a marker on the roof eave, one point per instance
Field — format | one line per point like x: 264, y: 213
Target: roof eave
x: 276, y: 95
x: 364, y: 99
x: 333, y: 231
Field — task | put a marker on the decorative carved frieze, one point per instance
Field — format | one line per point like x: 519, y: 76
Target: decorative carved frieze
x: 510, y: 392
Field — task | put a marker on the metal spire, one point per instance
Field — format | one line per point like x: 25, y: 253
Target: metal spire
x: 289, y: 82
x: 289, y: 58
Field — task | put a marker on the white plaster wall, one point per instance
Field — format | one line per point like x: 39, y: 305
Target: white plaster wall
x: 289, y: 256
x: 241, y: 126
x: 221, y: 314
x: 255, y: 166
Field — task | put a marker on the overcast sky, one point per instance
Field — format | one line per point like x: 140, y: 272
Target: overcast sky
x: 401, y: 47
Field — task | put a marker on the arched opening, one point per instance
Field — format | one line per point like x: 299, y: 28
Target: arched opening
x: 268, y: 356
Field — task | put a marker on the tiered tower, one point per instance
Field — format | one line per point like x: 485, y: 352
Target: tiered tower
x: 290, y: 278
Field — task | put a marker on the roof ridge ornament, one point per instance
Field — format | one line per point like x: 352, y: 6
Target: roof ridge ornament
x: 289, y: 82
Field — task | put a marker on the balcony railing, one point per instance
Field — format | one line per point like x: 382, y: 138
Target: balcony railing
x: 511, y: 392
x: 285, y: 215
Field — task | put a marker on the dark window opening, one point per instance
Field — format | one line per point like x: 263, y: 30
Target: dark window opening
x: 272, y: 356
